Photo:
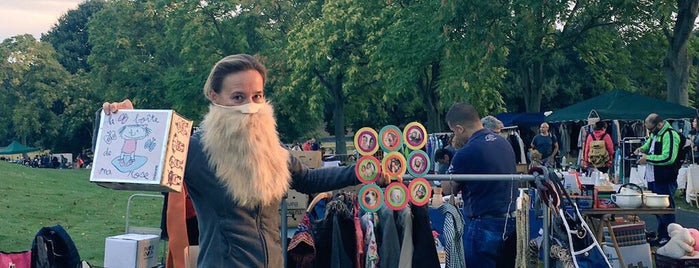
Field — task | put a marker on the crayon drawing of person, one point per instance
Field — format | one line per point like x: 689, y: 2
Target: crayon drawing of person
x: 127, y: 159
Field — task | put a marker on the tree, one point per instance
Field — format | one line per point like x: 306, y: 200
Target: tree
x: 329, y: 55
x: 535, y: 31
x: 69, y: 36
x: 34, y: 90
x: 677, y: 62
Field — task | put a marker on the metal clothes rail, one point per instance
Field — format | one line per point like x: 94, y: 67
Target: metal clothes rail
x: 457, y: 178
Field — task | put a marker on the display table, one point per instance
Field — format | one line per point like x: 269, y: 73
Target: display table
x: 597, y: 219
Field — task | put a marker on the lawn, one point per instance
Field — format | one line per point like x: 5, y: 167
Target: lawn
x: 31, y: 198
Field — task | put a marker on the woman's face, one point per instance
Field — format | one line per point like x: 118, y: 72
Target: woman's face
x: 694, y: 123
x: 240, y: 88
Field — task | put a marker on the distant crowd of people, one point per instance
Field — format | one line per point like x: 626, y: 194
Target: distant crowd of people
x: 310, y: 145
x: 48, y: 161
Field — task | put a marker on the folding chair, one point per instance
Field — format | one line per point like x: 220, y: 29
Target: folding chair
x: 131, y: 229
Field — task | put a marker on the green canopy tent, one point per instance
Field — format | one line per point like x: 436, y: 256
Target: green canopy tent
x: 621, y: 105
x: 17, y: 148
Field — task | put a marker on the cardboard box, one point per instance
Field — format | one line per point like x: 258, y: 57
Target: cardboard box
x: 131, y: 250
x: 293, y: 217
x: 296, y: 200
x: 142, y: 150
x: 634, y: 256
x: 312, y: 159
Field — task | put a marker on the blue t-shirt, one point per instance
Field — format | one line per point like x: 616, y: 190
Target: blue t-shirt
x: 486, y: 153
x: 544, y: 144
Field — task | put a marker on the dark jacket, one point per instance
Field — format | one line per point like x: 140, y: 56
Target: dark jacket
x: 664, y: 153
x: 235, y: 236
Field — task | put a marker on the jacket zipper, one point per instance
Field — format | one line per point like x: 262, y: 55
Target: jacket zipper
x: 262, y: 236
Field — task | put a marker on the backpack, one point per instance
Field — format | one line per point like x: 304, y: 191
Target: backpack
x: 684, y: 151
x: 53, y: 248
x: 598, y: 156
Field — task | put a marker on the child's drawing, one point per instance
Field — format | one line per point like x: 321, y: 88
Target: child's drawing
x: 128, y: 160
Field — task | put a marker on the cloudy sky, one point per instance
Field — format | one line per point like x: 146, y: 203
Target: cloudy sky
x: 31, y: 16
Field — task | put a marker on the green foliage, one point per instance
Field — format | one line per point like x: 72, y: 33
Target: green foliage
x: 34, y: 88
x: 69, y: 36
x: 330, y: 60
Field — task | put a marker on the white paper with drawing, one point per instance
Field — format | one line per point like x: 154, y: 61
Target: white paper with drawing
x: 142, y: 147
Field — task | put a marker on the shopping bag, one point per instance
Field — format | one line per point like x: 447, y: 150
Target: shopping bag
x: 16, y: 259
x: 637, y: 175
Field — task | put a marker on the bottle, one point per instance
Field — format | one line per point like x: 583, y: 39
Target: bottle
x: 564, y: 163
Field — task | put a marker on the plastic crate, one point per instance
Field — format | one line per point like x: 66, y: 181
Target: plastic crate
x: 667, y: 262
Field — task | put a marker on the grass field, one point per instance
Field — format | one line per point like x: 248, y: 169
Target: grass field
x: 31, y: 198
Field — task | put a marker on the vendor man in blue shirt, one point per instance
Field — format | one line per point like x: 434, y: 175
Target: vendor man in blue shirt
x: 490, y: 236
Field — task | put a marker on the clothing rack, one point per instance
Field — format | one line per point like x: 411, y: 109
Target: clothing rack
x: 457, y: 178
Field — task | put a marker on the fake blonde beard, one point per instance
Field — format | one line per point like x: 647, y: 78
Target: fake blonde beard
x: 245, y: 152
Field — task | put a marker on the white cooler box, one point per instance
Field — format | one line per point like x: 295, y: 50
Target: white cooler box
x: 131, y: 250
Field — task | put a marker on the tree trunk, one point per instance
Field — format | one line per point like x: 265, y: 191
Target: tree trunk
x: 339, y: 117
x: 430, y: 99
x: 676, y: 64
x: 531, y: 80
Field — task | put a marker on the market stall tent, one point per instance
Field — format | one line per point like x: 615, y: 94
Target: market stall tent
x: 521, y: 119
x: 17, y: 148
x: 621, y: 105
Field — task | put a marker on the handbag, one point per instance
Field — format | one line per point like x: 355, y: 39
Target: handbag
x: 16, y: 259
x: 573, y: 243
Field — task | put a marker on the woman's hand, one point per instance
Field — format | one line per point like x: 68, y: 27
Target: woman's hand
x: 113, y: 107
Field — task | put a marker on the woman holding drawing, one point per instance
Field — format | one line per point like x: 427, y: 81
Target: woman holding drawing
x: 237, y: 171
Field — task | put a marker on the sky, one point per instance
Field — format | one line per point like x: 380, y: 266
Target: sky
x: 31, y: 16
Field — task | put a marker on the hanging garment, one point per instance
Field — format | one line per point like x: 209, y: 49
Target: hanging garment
x: 453, y: 236
x: 301, y: 250
x: 359, y: 235
x: 389, y: 246
x: 522, y: 156
x: 335, y: 238
x: 371, y: 248
x: 425, y: 253
x: 404, y: 222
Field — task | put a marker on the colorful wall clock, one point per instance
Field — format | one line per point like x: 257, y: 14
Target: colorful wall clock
x: 415, y: 136
x: 420, y: 191
x: 367, y: 169
x: 370, y: 197
x: 396, y: 196
x: 394, y: 165
x: 390, y: 138
x: 418, y: 163
x: 366, y: 141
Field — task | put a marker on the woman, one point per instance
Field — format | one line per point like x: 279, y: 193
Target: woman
x: 237, y: 171
x: 694, y: 135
